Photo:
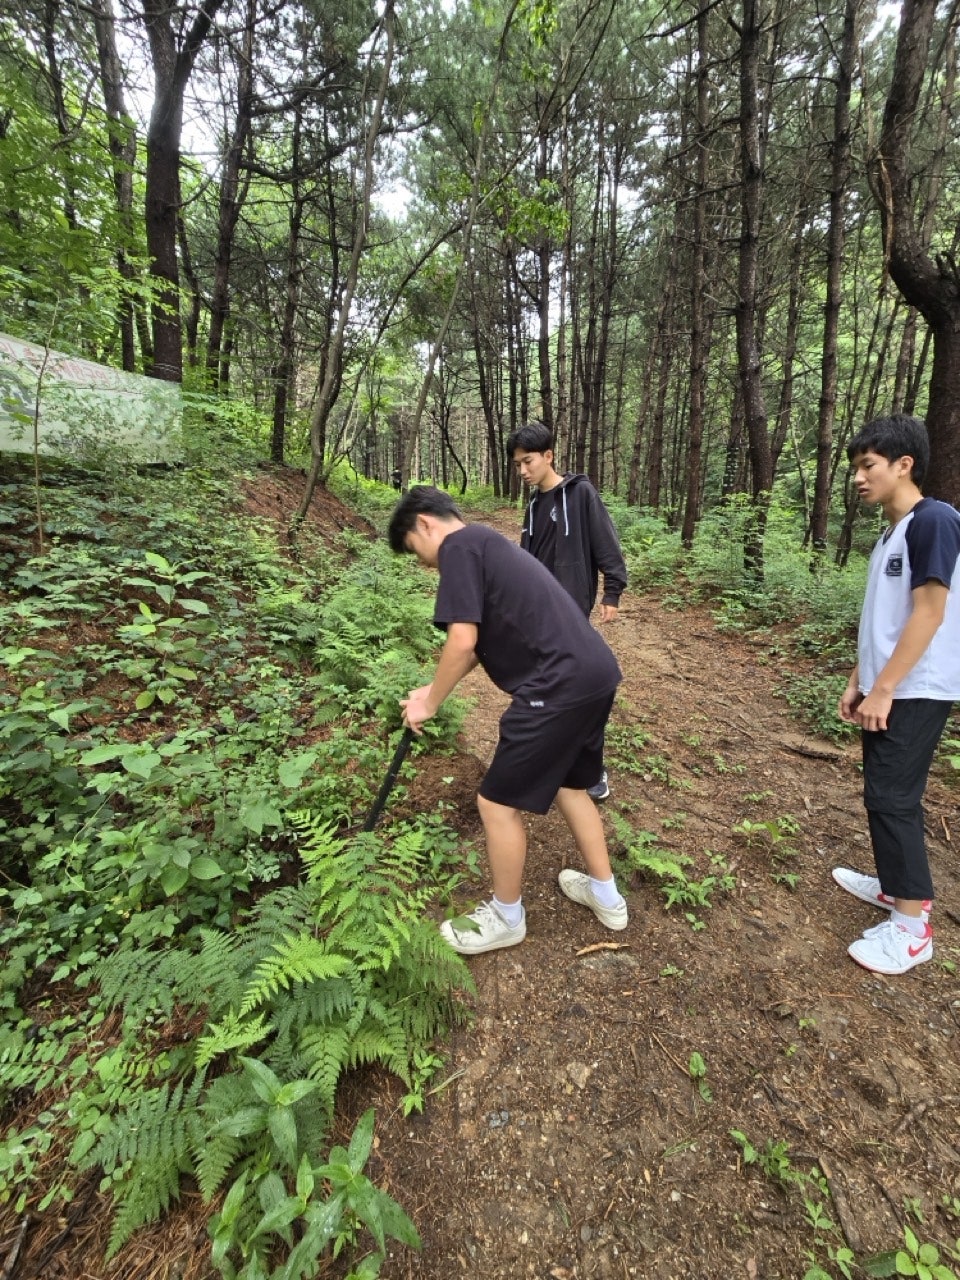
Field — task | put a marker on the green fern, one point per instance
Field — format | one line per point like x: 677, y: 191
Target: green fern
x: 324, y: 1051
x: 214, y: 1148
x: 299, y: 959
x: 148, y: 1143
x: 145, y: 981
x: 231, y: 1035
x: 341, y: 970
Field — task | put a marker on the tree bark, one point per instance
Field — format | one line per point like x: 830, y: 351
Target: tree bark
x: 232, y: 194
x: 172, y: 68
x: 698, y: 284
x: 283, y: 370
x: 748, y: 349
x: 931, y: 284
x: 122, y: 141
x: 839, y: 178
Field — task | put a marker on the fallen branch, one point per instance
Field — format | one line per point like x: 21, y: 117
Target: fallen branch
x: 679, y: 1065
x: 602, y: 946
x: 11, y: 1263
x: 917, y: 1111
x: 847, y: 1221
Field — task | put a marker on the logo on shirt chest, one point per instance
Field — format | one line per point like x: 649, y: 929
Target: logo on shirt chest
x: 553, y: 514
x: 894, y: 566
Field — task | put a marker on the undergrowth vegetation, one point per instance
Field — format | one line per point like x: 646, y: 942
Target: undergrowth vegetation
x: 195, y: 943
x: 803, y: 614
x: 197, y: 940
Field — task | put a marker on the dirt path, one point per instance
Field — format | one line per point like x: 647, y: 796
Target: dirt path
x: 571, y: 1140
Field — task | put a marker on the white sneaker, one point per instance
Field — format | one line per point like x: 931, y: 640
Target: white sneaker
x: 867, y: 889
x: 892, y: 949
x: 577, y: 887
x: 483, y: 930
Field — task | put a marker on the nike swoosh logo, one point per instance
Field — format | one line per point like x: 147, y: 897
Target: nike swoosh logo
x: 915, y: 951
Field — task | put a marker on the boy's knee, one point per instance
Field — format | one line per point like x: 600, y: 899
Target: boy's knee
x: 491, y: 811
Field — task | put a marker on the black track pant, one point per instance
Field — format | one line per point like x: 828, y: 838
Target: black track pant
x: 896, y: 761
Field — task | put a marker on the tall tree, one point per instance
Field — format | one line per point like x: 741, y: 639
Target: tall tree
x: 123, y: 153
x: 748, y: 346
x: 929, y: 283
x: 836, y: 233
x: 174, y: 47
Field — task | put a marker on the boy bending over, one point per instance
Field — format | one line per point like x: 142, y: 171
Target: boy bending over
x: 500, y: 608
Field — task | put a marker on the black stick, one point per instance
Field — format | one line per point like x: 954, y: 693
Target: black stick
x: 398, y: 758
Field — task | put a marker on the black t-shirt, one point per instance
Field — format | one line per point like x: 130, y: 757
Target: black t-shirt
x: 532, y: 639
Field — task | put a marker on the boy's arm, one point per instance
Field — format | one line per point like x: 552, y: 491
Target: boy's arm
x: 929, y: 604
x: 457, y: 658
x: 605, y: 549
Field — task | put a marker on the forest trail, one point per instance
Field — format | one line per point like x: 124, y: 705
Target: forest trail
x: 571, y: 1139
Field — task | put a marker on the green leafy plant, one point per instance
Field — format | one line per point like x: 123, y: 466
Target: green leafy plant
x: 640, y: 854
x: 154, y: 821
x: 698, y: 1074
x: 305, y: 1218
x: 776, y: 835
x: 914, y: 1259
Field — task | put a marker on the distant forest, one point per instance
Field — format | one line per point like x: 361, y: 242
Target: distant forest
x: 702, y: 244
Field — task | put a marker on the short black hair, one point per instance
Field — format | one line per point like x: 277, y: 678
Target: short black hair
x: 894, y: 436
x: 533, y: 438
x: 421, y: 500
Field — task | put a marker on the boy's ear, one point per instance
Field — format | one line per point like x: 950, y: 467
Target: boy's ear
x: 548, y: 456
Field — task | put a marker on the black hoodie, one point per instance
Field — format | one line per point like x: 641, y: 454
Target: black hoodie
x: 585, y: 542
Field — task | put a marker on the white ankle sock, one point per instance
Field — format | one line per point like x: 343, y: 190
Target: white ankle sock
x: 912, y: 924
x: 606, y: 892
x: 512, y: 912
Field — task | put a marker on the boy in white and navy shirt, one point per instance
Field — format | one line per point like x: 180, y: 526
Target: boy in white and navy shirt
x: 906, y: 678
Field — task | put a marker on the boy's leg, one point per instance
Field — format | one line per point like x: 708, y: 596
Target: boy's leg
x: 502, y: 922
x: 896, y: 762
x: 506, y: 836
x: 533, y: 754
x: 598, y: 888
x: 583, y: 818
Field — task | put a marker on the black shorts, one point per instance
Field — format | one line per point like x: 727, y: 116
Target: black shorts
x: 541, y: 751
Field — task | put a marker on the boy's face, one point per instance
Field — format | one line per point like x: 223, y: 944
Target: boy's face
x: 421, y: 542
x: 878, y: 478
x: 533, y: 468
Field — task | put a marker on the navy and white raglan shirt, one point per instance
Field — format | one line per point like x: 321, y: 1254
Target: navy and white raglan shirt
x: 922, y: 547
x: 532, y: 639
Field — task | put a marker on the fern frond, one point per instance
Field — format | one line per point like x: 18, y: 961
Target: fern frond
x: 316, y: 1005
x: 214, y: 1149
x: 326, y: 1052
x: 134, y: 979
x: 297, y: 959
x: 150, y: 1140
x: 371, y: 1044
x: 230, y: 1035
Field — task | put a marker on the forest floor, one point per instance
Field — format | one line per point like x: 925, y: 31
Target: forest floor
x: 571, y: 1139
x: 566, y: 1135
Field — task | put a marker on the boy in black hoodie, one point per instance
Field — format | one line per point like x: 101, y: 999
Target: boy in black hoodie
x: 568, y: 529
